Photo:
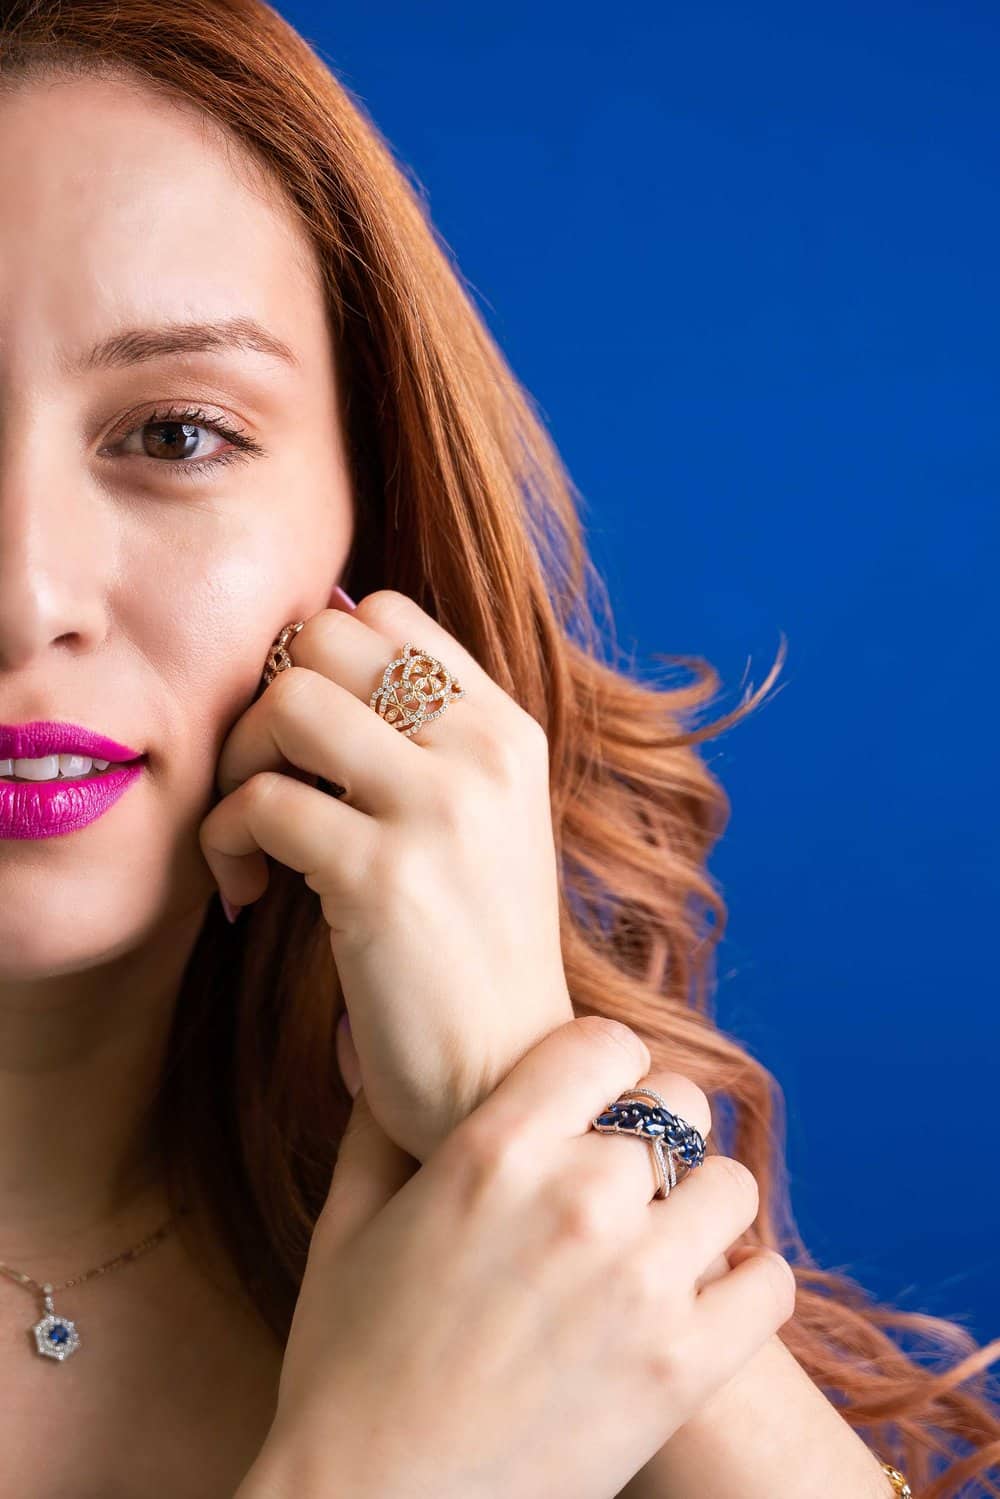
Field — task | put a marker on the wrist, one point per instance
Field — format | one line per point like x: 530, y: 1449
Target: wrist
x: 267, y: 1478
x: 324, y: 1465
x: 281, y: 1471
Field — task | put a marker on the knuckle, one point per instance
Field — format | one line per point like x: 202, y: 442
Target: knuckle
x: 532, y: 736
x: 783, y: 1282
x: 579, y: 1214
x: 284, y: 688
x: 383, y: 608
x: 606, y: 1031
x: 663, y: 1365
x: 284, y: 693
x: 509, y: 748
x: 740, y: 1178
x: 685, y: 1098
x: 329, y: 624
x: 488, y: 1159
x: 259, y: 788
x: 497, y: 753
x: 672, y: 1355
x: 645, y: 1278
x: 210, y: 828
x: 397, y: 875
x: 449, y: 803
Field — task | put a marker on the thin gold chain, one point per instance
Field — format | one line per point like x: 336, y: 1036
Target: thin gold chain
x: 119, y: 1260
x: 899, y: 1483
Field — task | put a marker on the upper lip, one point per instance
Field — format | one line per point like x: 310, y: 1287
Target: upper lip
x: 31, y: 741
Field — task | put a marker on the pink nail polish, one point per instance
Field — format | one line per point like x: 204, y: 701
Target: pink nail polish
x: 231, y: 911
x: 338, y: 596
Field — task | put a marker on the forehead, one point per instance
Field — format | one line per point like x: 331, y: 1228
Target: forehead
x: 122, y: 207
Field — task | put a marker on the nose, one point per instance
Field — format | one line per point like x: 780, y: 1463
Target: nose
x: 55, y: 557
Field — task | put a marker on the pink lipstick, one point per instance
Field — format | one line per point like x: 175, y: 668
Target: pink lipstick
x: 44, y: 809
x: 29, y: 741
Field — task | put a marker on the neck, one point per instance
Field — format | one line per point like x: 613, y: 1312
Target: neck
x: 81, y: 1057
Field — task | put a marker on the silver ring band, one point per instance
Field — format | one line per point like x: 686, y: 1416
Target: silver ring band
x: 670, y: 1138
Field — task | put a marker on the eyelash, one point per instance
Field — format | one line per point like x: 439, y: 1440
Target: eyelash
x: 244, y: 445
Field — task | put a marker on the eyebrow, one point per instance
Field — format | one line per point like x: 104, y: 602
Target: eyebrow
x: 137, y: 345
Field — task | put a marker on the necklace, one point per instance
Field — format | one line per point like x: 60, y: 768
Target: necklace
x: 57, y: 1337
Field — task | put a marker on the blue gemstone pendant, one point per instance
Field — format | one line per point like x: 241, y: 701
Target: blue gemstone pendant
x: 55, y: 1337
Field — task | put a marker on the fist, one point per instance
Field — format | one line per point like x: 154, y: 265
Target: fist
x: 436, y: 869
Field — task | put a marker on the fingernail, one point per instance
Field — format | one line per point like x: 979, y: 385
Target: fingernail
x: 231, y: 911
x: 342, y: 599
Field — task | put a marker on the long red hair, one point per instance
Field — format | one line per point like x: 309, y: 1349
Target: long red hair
x: 464, y: 504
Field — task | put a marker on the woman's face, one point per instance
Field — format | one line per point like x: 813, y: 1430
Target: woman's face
x: 141, y: 582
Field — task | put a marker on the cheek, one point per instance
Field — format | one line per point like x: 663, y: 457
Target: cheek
x: 205, y: 604
x: 201, y: 632
x: 206, y: 610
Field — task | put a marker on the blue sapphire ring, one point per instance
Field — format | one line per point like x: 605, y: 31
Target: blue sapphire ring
x: 670, y: 1138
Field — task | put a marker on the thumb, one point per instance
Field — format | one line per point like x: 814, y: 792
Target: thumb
x: 370, y: 1169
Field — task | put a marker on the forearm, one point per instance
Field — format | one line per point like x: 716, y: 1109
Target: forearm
x: 769, y: 1433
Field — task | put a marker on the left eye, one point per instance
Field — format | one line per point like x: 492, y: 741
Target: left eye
x: 174, y: 438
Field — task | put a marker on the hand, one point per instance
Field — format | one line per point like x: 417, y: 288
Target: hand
x: 437, y: 870
x: 458, y: 1327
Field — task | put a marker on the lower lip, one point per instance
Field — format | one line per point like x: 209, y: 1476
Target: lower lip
x: 44, y: 809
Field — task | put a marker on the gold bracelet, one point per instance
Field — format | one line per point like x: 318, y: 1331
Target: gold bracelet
x: 899, y: 1483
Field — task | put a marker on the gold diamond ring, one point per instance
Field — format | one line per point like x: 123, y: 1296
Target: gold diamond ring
x: 415, y: 688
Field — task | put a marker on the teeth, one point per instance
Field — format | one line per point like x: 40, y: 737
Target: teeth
x: 51, y: 768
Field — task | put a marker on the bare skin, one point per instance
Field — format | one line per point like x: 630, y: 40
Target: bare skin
x: 138, y: 1410
x: 140, y: 602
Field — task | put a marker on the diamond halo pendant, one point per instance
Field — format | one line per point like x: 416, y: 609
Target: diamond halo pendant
x: 57, y: 1337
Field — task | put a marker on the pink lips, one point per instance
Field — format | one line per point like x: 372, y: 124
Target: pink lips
x: 43, y: 809
x: 29, y: 741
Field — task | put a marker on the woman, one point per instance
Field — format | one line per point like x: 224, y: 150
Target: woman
x: 244, y: 387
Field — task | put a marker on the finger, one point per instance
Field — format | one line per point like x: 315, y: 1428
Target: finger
x: 307, y: 720
x: 682, y: 1097
x: 488, y: 712
x: 719, y: 1266
x: 628, y: 1157
x: 737, y: 1313
x: 325, y: 839
x: 371, y: 1168
x: 356, y: 648
x: 328, y: 734
x: 396, y: 617
x: 708, y: 1210
x: 562, y: 1081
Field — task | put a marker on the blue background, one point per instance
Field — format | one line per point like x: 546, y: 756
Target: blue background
x: 746, y: 260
